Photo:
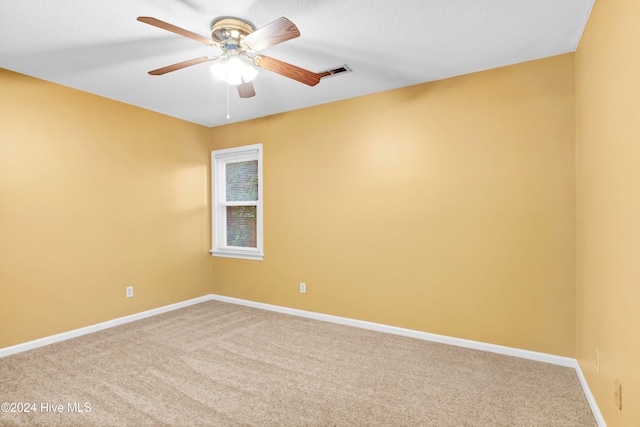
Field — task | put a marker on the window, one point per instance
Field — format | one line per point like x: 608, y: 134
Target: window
x: 236, y: 184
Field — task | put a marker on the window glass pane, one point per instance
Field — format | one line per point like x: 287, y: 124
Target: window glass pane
x: 242, y: 226
x: 242, y: 181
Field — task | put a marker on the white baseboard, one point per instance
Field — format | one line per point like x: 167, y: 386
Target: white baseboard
x: 590, y: 398
x: 29, y: 345
x: 459, y: 342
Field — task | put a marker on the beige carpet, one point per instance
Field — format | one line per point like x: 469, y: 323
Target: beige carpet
x: 217, y: 364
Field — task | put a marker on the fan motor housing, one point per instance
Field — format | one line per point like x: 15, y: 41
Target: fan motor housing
x: 227, y: 33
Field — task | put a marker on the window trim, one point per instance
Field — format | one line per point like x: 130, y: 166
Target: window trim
x: 219, y: 158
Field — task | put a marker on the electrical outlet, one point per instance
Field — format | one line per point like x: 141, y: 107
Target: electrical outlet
x: 303, y: 288
x: 129, y: 291
x: 597, y: 361
x: 617, y: 394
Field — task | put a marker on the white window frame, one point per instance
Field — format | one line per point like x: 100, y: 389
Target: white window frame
x: 219, y: 159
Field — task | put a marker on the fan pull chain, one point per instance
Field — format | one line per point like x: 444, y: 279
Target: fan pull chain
x: 228, y: 115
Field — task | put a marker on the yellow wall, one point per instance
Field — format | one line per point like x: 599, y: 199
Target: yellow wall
x: 608, y: 203
x: 95, y: 195
x: 446, y: 207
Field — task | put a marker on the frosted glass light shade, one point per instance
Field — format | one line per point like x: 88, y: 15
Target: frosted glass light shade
x: 233, y: 70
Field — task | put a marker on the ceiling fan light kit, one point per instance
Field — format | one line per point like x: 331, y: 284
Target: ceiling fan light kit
x: 233, y: 70
x: 236, y: 38
x: 234, y: 66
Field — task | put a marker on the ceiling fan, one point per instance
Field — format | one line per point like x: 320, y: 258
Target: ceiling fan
x: 238, y: 40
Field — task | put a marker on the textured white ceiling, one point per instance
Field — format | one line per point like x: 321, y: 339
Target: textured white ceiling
x: 99, y: 47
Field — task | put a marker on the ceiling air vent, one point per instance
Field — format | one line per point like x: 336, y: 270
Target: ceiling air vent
x: 335, y: 71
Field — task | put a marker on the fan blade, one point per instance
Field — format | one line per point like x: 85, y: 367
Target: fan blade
x: 285, y: 69
x: 180, y: 31
x: 246, y: 90
x: 276, y: 32
x: 180, y: 65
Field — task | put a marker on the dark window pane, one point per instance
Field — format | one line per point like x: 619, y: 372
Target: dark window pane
x: 242, y: 181
x: 241, y: 226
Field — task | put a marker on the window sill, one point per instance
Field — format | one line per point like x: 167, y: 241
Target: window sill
x: 225, y: 254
